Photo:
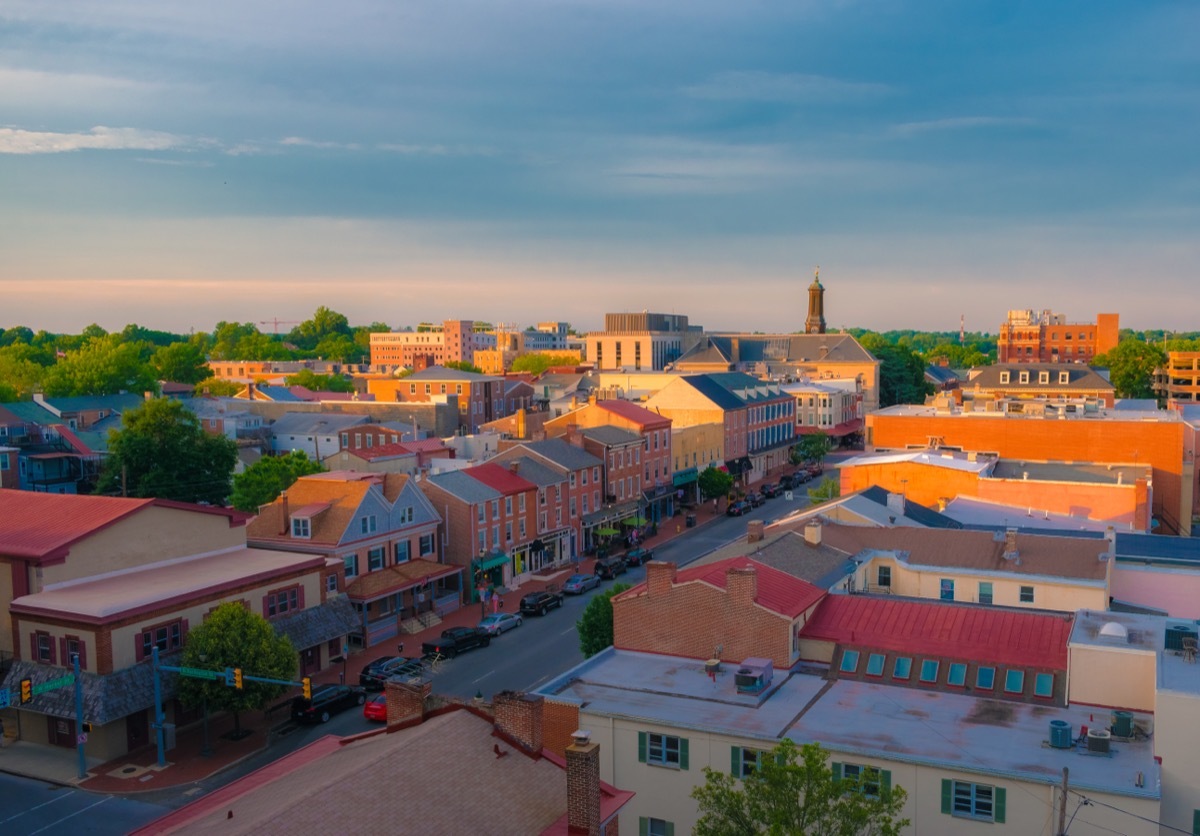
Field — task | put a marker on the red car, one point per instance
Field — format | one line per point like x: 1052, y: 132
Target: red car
x: 376, y: 708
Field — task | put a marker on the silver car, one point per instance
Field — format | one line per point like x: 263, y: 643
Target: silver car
x: 500, y: 622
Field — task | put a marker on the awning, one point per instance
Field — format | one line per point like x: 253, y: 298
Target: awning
x: 739, y: 466
x: 606, y: 532
x: 638, y: 520
x: 685, y: 476
x: 493, y: 561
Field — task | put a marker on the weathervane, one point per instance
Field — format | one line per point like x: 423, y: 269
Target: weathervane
x: 817, y: 273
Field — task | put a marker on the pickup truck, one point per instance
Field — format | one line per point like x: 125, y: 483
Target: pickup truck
x: 455, y: 640
x: 540, y: 603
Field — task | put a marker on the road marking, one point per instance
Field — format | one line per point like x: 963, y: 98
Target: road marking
x: 76, y: 813
x: 38, y: 807
x: 570, y: 629
x: 485, y: 676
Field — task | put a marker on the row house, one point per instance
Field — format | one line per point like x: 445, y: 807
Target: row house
x: 316, y: 434
x: 107, y: 581
x: 1038, y: 381
x: 383, y: 534
x: 833, y: 407
x: 481, y: 398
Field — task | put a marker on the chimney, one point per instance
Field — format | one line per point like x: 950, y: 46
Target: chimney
x: 583, y: 785
x: 284, y: 522
x: 521, y: 428
x: 742, y: 584
x: 735, y: 350
x: 1010, y: 545
x: 754, y: 531
x: 592, y: 399
x: 574, y: 403
x: 1110, y: 535
x: 520, y: 717
x: 812, y: 533
x: 514, y: 466
x: 895, y: 503
x: 406, y: 701
x: 660, y: 577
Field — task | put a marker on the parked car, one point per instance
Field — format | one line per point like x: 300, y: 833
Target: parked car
x: 376, y: 708
x: 540, y: 603
x: 608, y: 568
x: 638, y: 556
x: 770, y: 490
x: 755, y: 499
x: 816, y: 469
x: 788, y: 481
x: 801, y: 476
x: 500, y: 622
x: 579, y: 584
x: 455, y: 640
x: 326, y: 701
x: 375, y: 674
x: 737, y: 509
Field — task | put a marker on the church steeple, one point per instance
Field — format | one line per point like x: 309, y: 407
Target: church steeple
x: 815, y: 324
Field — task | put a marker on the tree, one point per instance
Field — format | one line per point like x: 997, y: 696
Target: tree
x: 162, y: 451
x: 1131, y: 366
x: 267, y: 478
x: 796, y: 791
x: 234, y: 637
x: 220, y: 388
x: 338, y: 347
x: 714, y: 483
x: 539, y: 362
x: 362, y: 334
x: 22, y: 368
x: 319, y: 382
x: 462, y: 366
x: 181, y: 362
x: 595, y: 626
x: 825, y: 491
x: 813, y: 447
x: 102, y: 366
x: 324, y: 323
x: 901, y: 372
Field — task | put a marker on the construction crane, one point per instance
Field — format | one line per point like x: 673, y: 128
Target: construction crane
x: 278, y: 322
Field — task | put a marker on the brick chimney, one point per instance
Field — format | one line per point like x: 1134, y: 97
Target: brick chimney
x: 660, y: 577
x: 520, y: 717
x: 406, y: 701
x: 742, y: 584
x: 1011, y: 552
x: 812, y: 533
x: 754, y: 531
x: 583, y: 785
x: 521, y: 428
x: 284, y: 522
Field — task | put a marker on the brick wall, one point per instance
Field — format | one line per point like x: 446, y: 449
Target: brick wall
x: 406, y: 701
x: 583, y: 788
x: 559, y: 720
x: 520, y: 717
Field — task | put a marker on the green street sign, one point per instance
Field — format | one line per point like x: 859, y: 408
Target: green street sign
x: 52, y: 684
x: 201, y: 673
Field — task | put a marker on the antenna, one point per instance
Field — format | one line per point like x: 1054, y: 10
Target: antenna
x: 962, y: 329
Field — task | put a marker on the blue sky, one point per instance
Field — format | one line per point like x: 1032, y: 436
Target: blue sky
x: 176, y: 164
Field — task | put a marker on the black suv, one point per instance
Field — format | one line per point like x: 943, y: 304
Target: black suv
x: 609, y: 567
x: 454, y: 640
x: 771, y: 490
x: 326, y: 701
x: 636, y: 557
x: 540, y: 603
x: 376, y: 673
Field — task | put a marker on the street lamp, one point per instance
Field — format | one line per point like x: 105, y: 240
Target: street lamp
x: 206, y: 751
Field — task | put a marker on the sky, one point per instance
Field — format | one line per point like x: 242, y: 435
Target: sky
x: 179, y: 164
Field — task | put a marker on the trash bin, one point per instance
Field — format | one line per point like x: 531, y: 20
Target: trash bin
x: 691, y: 520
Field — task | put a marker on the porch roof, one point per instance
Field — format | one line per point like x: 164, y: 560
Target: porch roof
x: 398, y: 578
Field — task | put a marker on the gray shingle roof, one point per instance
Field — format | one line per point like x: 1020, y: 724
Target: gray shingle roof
x: 466, y: 488
x: 1078, y: 376
x: 610, y: 434
x: 105, y: 698
x: 779, y: 348
x: 560, y: 452
x: 533, y: 470
x: 316, y: 423
x: 316, y: 625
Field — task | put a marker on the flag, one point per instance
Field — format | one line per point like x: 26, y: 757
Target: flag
x: 60, y: 353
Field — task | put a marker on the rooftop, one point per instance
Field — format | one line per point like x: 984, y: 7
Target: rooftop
x: 1139, y: 632
x: 947, y: 459
x: 630, y: 411
x: 1051, y: 414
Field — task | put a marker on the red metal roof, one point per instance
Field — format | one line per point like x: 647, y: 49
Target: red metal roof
x: 1003, y: 637
x: 73, y: 440
x: 637, y: 414
x: 384, y: 451
x: 42, y: 525
x: 500, y: 479
x: 777, y: 591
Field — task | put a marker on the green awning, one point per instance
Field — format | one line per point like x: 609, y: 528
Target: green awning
x: 493, y: 561
x: 607, y: 532
x: 639, y: 520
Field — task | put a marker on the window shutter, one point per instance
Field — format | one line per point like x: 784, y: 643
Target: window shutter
x: 735, y: 761
x: 301, y: 596
x: 82, y: 655
x: 62, y: 652
x: 670, y: 828
x: 183, y: 628
x: 642, y: 744
x: 885, y: 782
x: 683, y: 753
x: 643, y: 826
x: 137, y: 647
x: 33, y: 651
x: 837, y: 771
x: 1196, y: 821
x: 947, y: 795
x: 53, y: 655
x: 998, y: 808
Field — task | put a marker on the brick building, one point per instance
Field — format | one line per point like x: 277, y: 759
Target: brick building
x: 454, y: 341
x: 1046, y: 337
x: 1038, y: 381
x: 480, y: 398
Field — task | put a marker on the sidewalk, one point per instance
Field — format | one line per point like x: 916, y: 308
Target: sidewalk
x: 139, y: 771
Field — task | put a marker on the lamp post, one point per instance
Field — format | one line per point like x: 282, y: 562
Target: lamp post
x: 206, y: 751
x: 479, y: 585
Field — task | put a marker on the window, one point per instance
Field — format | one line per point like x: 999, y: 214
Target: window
x: 744, y: 762
x: 301, y: 527
x: 1005, y: 377
x: 43, y: 646
x: 655, y: 827
x: 521, y: 503
x: 883, y: 576
x: 903, y: 668
x: 875, y: 664
x: 985, y: 678
x: 977, y: 801
x: 73, y: 646
x: 1064, y: 377
x: 663, y: 750
x: 425, y: 544
x: 1014, y: 681
x: 166, y: 637
x: 508, y: 532
x: 402, y: 552
x: 957, y: 675
x: 1043, y: 377
x: 849, y: 661
x: 406, y: 514
x: 495, y: 509
x: 331, y: 583
x: 929, y: 670
x: 985, y: 592
x: 947, y: 589
x: 482, y: 512
x: 508, y: 506
x: 1026, y: 595
x: 350, y: 561
x: 375, y: 559
x: 1043, y: 685
x: 870, y: 781
x: 4, y: 465
x: 282, y: 601
x: 572, y: 478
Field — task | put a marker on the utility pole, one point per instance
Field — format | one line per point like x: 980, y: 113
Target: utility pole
x: 124, y: 474
x: 1062, y: 806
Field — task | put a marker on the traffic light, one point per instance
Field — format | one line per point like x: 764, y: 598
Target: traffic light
x: 87, y: 728
x: 26, y: 690
x: 306, y: 687
x: 237, y: 678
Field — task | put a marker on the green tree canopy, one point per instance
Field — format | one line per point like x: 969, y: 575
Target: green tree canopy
x: 1131, y: 366
x: 538, y: 362
x: 795, y: 791
x: 22, y: 369
x: 267, y: 478
x: 220, y: 388
x: 238, y: 341
x: 182, y: 362
x: 362, y: 335
x: 103, y: 365
x: 319, y: 382
x: 595, y: 626
x: 714, y: 483
x: 339, y: 347
x: 813, y: 447
x: 826, y: 490
x: 234, y: 637
x: 463, y: 366
x: 324, y: 323
x: 162, y: 451
x: 901, y: 372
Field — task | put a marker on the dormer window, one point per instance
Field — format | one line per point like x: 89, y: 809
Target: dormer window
x: 301, y: 527
x: 367, y: 524
x: 1005, y: 376
x: 1024, y: 377
x: 1043, y: 377
x: 1064, y: 377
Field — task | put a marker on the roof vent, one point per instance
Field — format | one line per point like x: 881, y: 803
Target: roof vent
x: 1115, y: 630
x: 581, y: 737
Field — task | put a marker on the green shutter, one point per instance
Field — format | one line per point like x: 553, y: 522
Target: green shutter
x: 683, y: 753
x: 1196, y: 823
x: 643, y: 826
x: 670, y: 828
x: 735, y: 761
x: 885, y: 782
x: 999, y: 794
x: 947, y: 795
x: 837, y: 771
x: 642, y: 746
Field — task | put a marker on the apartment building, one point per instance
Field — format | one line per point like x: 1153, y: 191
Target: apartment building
x: 454, y: 341
x: 1029, y: 336
x: 480, y: 398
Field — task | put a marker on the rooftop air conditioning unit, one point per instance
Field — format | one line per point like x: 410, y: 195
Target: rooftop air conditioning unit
x: 753, y: 675
x: 1098, y: 740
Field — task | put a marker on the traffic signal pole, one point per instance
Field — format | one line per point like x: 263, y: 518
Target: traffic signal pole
x: 80, y: 734
x: 159, y: 732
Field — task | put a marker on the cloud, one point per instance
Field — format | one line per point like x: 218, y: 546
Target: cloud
x: 436, y: 150
x: 303, y: 142
x: 18, y: 141
x: 780, y: 87
x: 958, y: 123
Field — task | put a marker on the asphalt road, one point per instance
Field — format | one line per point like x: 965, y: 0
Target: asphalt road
x: 28, y: 807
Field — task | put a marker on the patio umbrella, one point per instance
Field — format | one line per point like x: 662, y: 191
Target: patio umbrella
x: 634, y: 521
x: 607, y: 532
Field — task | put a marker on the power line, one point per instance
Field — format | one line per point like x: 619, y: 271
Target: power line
x: 1092, y: 801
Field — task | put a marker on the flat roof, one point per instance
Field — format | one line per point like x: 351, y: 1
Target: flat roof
x: 934, y: 458
x: 1103, y: 474
x: 1145, y: 633
x: 952, y: 731
x: 1104, y: 414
